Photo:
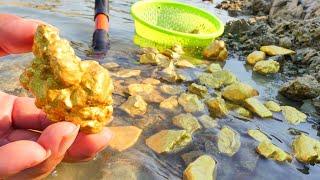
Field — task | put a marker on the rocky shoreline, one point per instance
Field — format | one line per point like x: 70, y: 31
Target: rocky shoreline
x: 291, y: 24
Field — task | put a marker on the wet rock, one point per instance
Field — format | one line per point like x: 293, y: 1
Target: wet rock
x: 292, y: 115
x: 190, y: 103
x: 285, y: 42
x: 151, y: 81
x: 306, y: 149
x: 238, y: 92
x: 147, y: 50
x: 266, y: 67
x: 110, y: 65
x: 191, y: 156
x: 216, y: 51
x: 126, y: 73
x: 184, y: 64
x: 169, y: 74
x: 306, y: 87
x: 276, y: 50
x: 149, y: 58
x: 146, y: 91
x: 258, y: 135
x: 255, y: 56
x: 213, y: 67
x: 170, y: 103
x: 217, y: 107
x: 187, y: 122
x: 269, y: 150
x: 257, y: 107
x: 199, y: 90
x: 225, y: 76
x: 243, y: 112
x: 202, y: 168
x: 124, y: 137
x: 272, y: 106
x: 163, y: 61
x: 228, y: 141
x: 135, y: 105
x: 231, y: 6
x: 167, y: 141
x: 178, y: 49
x: 208, y: 122
x: 171, y: 89
x: 171, y: 54
x: 207, y: 79
x: 316, y: 103
x: 217, y: 79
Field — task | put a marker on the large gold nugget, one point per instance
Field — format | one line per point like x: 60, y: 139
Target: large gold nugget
x: 66, y: 88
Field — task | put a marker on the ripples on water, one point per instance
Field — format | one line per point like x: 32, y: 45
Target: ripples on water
x: 74, y: 19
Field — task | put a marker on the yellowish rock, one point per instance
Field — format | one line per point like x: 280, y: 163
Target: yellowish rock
x: 292, y: 115
x: 257, y: 107
x: 258, y: 135
x: 275, y: 50
x: 207, y: 121
x: 135, y: 105
x: 213, y: 67
x: 266, y: 67
x: 167, y: 141
x: 171, y: 54
x: 238, y: 92
x: 190, y: 103
x: 255, y: 56
x: 217, y: 79
x: 124, y: 137
x: 171, y: 89
x: 272, y: 106
x: 306, y: 149
x: 228, y: 141
x: 151, y: 81
x: 225, y: 76
x: 199, y: 90
x: 269, y: 150
x: 243, y: 112
x: 147, y: 50
x: 169, y: 74
x: 217, y: 107
x: 163, y: 61
x: 149, y: 58
x: 170, y: 103
x: 146, y: 91
x: 216, y: 51
x: 178, y: 49
x: 187, y: 122
x: 126, y: 73
x: 203, y: 168
x: 184, y: 64
x: 111, y: 65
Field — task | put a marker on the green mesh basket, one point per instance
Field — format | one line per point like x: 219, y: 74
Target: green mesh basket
x: 169, y: 22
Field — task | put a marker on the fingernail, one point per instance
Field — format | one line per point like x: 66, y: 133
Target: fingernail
x: 107, y: 134
x: 48, y: 154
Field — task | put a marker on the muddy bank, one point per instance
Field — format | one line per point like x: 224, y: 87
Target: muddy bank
x: 291, y: 24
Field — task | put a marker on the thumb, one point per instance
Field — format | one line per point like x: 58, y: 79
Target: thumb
x: 56, y: 138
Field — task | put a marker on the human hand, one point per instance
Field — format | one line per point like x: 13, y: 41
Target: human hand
x: 16, y: 34
x: 31, y: 146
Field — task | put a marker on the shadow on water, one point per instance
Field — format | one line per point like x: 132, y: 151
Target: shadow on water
x: 74, y: 19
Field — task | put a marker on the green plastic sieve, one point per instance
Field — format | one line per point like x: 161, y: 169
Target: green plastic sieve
x: 169, y: 22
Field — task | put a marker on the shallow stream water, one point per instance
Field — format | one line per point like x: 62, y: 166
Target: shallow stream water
x: 74, y: 19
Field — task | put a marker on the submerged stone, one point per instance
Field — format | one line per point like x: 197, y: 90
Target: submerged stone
x: 258, y: 135
x: 110, y: 65
x: 203, y: 168
x: 243, y: 112
x: 272, y: 106
x: 213, y: 67
x: 257, y: 107
x: 208, y: 122
x: 171, y: 54
x: 190, y: 103
x: 269, y: 150
x: 207, y: 79
x: 199, y: 90
x: 167, y: 141
x: 184, y: 64
x: 306, y: 149
x: 266, y: 67
x: 276, y: 50
x: 149, y: 58
x: 217, y: 79
x: 146, y: 91
x: 151, y: 81
x: 170, y: 89
x: 170, y: 103
x: 187, y: 122
x: 216, y: 50
x: 292, y: 115
x: 217, y: 107
x: 255, y: 56
x: 238, y: 92
x: 191, y: 156
x: 169, y: 74
x: 226, y: 77
x: 228, y: 141
x: 126, y: 73
x: 147, y: 50
x: 163, y: 61
x: 135, y: 105
x: 123, y: 137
